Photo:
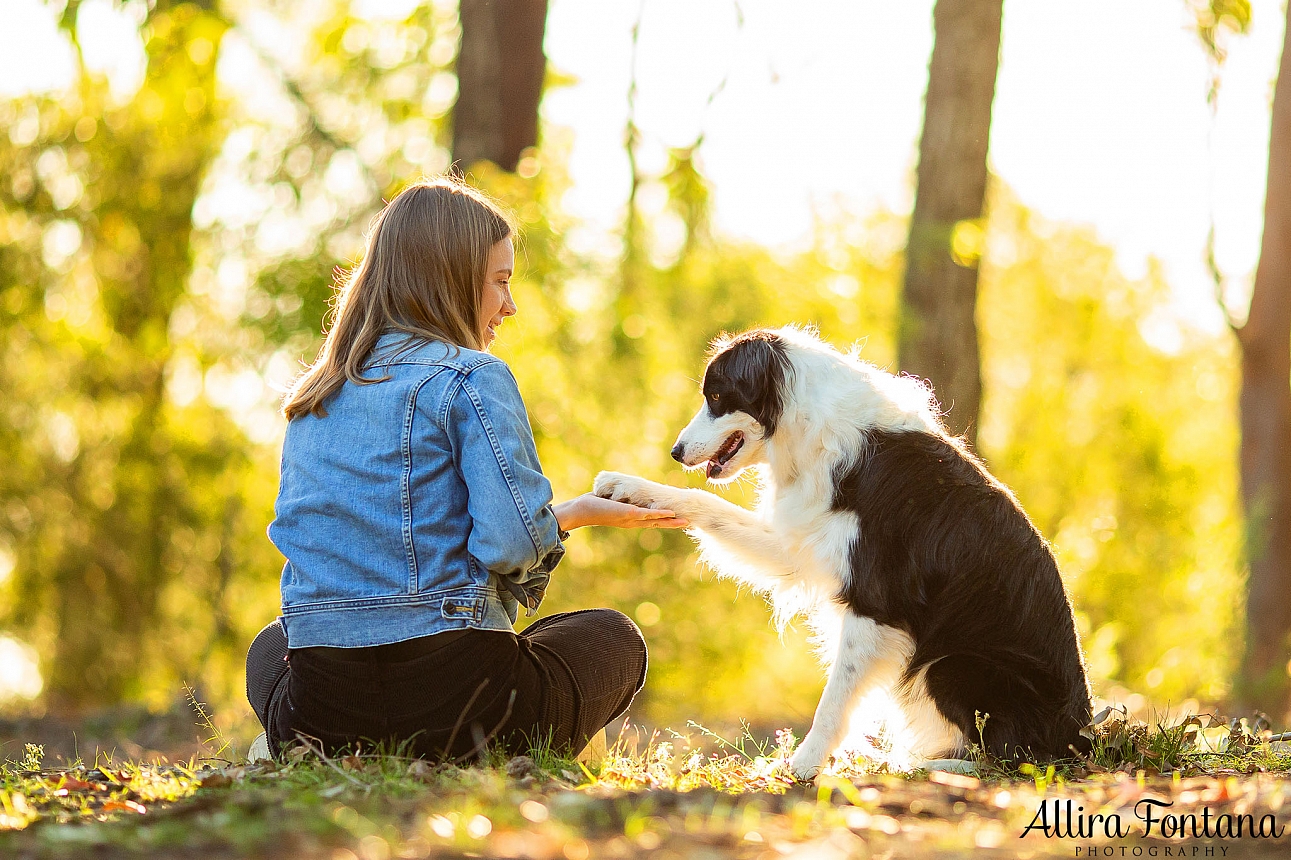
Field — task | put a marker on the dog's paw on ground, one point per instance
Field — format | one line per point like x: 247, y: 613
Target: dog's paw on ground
x: 951, y: 765
x: 805, y: 768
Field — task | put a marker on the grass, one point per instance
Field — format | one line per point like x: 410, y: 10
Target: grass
x: 695, y: 794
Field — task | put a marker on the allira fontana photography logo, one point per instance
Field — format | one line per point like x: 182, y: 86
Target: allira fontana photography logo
x: 1151, y: 818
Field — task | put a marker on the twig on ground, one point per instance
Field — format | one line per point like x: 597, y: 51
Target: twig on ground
x: 316, y: 746
x: 480, y: 744
x: 457, y: 726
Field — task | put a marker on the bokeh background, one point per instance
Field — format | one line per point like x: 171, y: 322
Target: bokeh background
x: 1096, y: 298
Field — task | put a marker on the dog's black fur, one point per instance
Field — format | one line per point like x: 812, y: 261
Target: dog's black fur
x: 749, y: 378
x: 945, y: 554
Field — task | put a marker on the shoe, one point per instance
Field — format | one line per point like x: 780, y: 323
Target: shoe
x: 259, y: 749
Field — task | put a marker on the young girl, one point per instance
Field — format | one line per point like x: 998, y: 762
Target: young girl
x: 415, y: 518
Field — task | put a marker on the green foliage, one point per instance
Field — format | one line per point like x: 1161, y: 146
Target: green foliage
x: 160, y: 259
x: 96, y: 222
x: 1123, y: 452
x: 135, y: 503
x: 32, y: 757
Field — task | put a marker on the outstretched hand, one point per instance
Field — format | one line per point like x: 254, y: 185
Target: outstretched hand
x: 591, y: 510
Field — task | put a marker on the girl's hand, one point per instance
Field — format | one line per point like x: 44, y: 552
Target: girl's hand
x: 590, y: 510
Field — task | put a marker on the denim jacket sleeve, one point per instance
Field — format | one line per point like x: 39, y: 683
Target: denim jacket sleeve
x: 514, y: 532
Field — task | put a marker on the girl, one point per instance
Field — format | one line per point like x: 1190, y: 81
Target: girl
x: 415, y: 518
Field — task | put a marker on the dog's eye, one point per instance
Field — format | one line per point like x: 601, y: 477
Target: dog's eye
x: 714, y: 397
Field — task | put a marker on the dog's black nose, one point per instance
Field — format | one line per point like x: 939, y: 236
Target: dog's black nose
x: 677, y: 451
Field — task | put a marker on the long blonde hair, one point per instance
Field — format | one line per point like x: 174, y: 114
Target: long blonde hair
x: 422, y: 274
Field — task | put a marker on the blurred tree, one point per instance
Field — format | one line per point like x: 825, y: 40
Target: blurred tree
x: 299, y: 155
x: 500, y: 70
x: 1265, y: 340
x: 938, y: 337
x: 106, y: 193
x: 133, y: 506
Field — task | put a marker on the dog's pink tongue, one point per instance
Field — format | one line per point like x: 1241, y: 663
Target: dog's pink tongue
x: 714, y: 468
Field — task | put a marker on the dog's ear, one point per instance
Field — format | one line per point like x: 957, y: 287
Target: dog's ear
x: 759, y: 367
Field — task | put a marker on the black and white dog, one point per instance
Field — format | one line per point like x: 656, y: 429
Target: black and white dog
x: 917, y: 567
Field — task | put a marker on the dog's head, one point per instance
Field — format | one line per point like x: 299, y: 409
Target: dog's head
x: 744, y: 387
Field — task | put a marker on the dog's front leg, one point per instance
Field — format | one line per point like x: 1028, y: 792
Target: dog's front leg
x: 864, y: 648
x: 736, y: 541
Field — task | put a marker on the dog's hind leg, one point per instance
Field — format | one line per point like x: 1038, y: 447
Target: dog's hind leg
x: 868, y: 653
x: 927, y: 732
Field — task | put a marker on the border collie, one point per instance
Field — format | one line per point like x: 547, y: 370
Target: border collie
x: 919, y: 570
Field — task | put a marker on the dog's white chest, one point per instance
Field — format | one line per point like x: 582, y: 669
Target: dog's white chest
x: 820, y: 541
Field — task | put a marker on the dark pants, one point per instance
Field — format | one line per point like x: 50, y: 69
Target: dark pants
x: 449, y: 695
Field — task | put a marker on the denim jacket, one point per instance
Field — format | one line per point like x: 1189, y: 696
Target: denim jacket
x: 416, y: 505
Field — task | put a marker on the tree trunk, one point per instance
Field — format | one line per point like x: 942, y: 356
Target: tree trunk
x: 938, y: 336
x: 1266, y: 428
x: 500, y: 69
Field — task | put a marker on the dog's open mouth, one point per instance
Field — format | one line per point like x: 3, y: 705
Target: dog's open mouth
x: 729, y: 448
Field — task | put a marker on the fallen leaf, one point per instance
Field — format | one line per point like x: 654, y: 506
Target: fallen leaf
x: 124, y: 806
x: 954, y: 780
x: 216, y: 780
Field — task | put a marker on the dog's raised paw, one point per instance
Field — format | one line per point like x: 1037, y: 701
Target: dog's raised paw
x: 622, y: 488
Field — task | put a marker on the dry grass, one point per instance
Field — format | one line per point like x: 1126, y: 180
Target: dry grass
x: 681, y: 795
